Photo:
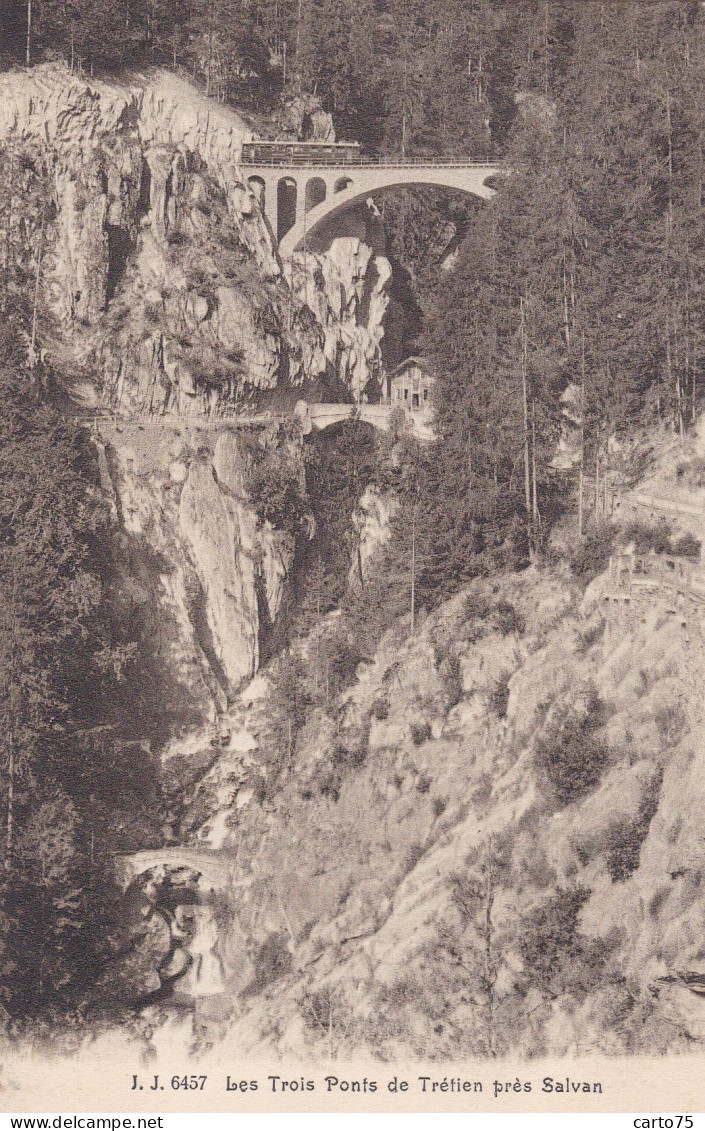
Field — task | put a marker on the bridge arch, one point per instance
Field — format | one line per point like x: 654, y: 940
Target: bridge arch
x: 259, y: 188
x: 342, y: 183
x: 364, y: 181
x: 287, y: 206
x: 316, y: 192
x: 318, y: 417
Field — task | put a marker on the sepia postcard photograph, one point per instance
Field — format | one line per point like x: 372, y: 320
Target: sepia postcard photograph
x: 352, y: 589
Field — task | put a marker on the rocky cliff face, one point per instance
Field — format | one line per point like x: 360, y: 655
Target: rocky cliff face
x: 490, y: 843
x: 159, y: 273
x: 198, y: 557
x: 163, y: 299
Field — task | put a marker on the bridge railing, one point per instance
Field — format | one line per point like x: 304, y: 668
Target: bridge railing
x: 200, y: 419
x: 362, y: 162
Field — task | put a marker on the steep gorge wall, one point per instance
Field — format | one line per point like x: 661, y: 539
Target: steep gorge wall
x: 163, y: 296
x: 199, y: 563
x: 532, y: 754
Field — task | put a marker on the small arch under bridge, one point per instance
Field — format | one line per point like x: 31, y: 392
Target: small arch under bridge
x: 298, y: 198
x: 316, y: 417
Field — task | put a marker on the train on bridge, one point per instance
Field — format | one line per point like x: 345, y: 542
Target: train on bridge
x: 301, y: 153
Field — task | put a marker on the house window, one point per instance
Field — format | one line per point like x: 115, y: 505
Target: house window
x: 425, y: 394
x: 406, y: 394
x: 415, y: 400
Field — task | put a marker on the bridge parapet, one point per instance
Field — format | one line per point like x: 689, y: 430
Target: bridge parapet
x: 373, y: 162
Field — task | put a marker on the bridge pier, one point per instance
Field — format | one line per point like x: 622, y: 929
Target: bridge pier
x: 300, y: 205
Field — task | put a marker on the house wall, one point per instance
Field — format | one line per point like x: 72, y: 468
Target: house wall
x: 412, y: 382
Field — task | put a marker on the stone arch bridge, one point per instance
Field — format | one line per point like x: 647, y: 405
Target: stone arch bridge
x: 298, y: 198
x: 319, y: 416
x: 313, y: 416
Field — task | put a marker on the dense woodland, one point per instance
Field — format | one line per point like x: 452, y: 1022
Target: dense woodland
x: 588, y: 270
x: 585, y: 273
x: 76, y: 789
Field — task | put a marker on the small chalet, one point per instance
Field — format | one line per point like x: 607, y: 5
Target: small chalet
x: 410, y: 385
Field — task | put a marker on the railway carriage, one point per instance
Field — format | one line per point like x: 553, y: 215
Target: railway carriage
x: 301, y: 153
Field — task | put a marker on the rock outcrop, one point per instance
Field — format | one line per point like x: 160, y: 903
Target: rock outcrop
x: 200, y: 559
x: 159, y: 272
x: 164, y: 302
x: 346, y: 288
x: 172, y: 931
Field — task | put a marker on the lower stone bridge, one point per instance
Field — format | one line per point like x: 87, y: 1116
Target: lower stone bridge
x: 213, y: 869
x: 379, y: 416
x: 312, y: 416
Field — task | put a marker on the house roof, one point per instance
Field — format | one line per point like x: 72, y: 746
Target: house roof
x: 407, y: 363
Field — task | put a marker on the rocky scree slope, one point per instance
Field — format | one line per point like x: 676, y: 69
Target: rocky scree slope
x: 492, y: 844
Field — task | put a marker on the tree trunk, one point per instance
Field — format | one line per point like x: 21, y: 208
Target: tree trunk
x: 527, y: 465
x: 8, y: 233
x: 700, y: 164
x: 10, y: 831
x: 413, y: 570
x: 35, y: 304
x: 299, y: 12
x: 673, y: 377
x: 489, y: 971
x: 669, y: 127
x: 581, y: 478
x: 209, y: 63
x: 28, y: 53
x: 545, y: 52
x: 566, y: 316
x: 404, y: 92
